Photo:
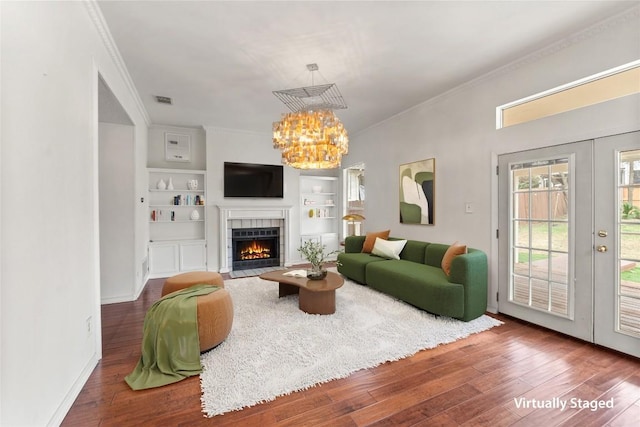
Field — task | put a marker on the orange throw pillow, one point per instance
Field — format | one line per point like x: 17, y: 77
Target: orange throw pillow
x: 453, y: 251
x: 370, y: 240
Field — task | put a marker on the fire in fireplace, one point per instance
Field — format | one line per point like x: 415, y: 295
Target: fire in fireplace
x: 255, y: 247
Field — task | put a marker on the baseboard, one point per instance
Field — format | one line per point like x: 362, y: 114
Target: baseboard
x: 74, y: 392
x: 492, y: 309
x: 139, y: 290
x: 115, y: 300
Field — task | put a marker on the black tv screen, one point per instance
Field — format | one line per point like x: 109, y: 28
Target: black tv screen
x: 252, y: 180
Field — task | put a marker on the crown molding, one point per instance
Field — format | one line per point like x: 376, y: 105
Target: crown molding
x: 603, y: 26
x: 176, y: 127
x: 213, y: 129
x: 105, y: 35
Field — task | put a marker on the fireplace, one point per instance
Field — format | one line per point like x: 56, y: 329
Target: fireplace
x: 234, y: 217
x: 255, y: 247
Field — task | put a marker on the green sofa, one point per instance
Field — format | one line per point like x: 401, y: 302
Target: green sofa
x: 418, y: 279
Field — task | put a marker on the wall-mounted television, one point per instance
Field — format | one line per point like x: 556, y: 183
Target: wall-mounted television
x: 253, y: 180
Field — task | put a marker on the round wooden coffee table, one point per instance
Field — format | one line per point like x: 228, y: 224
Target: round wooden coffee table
x: 315, y: 296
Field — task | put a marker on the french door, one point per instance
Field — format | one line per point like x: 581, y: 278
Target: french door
x: 617, y: 243
x: 569, y: 244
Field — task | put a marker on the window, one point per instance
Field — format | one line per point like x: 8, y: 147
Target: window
x: 611, y: 84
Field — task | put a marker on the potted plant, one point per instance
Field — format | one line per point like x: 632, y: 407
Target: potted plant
x: 314, y: 252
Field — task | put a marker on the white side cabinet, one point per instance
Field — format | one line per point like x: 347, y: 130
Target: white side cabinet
x: 169, y: 258
x: 193, y: 256
x: 163, y: 259
x: 177, y: 221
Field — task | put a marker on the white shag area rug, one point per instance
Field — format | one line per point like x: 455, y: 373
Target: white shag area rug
x: 275, y: 349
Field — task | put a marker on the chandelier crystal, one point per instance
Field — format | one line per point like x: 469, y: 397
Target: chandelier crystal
x: 311, y: 137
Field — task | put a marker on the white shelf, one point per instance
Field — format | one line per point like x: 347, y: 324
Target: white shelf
x: 176, y: 206
x: 177, y: 240
x: 179, y: 220
x: 156, y: 190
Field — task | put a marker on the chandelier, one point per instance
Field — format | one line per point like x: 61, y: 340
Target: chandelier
x: 312, y: 136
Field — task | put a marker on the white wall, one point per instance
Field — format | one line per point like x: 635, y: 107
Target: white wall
x: 51, y: 56
x: 248, y: 147
x: 156, y: 151
x: 458, y: 130
x: 117, y: 200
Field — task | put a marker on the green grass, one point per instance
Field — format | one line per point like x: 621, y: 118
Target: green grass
x: 523, y: 257
x: 631, y: 275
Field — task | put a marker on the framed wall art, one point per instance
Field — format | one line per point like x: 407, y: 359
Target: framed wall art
x: 417, y: 184
x: 177, y: 147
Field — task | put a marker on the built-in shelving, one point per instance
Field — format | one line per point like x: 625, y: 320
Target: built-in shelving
x: 177, y: 221
x: 319, y: 210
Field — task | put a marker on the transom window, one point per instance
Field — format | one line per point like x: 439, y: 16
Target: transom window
x: 611, y: 84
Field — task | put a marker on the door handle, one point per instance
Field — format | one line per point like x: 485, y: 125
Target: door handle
x: 601, y: 248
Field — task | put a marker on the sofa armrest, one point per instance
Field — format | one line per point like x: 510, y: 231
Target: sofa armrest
x: 354, y: 244
x: 471, y: 271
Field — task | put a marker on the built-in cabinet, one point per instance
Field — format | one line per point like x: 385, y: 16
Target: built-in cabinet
x: 177, y: 221
x: 319, y: 215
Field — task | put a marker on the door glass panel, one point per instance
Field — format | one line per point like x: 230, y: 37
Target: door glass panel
x: 628, y: 287
x: 559, y: 267
x: 560, y: 236
x: 540, y: 294
x: 521, y: 289
x: 539, y: 178
x: 540, y: 205
x: 521, y: 233
x: 539, y: 272
x: 540, y: 264
x: 558, y: 299
x: 540, y: 235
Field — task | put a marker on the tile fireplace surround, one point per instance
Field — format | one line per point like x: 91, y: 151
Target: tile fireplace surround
x: 250, y: 217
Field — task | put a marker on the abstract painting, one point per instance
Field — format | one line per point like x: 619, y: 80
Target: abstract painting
x: 417, y: 183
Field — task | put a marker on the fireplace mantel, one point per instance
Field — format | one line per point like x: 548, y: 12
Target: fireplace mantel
x: 229, y: 213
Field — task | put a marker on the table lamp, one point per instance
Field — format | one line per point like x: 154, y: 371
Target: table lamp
x: 353, y: 219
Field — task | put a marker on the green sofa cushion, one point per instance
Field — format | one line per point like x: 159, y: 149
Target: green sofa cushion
x: 420, y: 285
x: 434, y: 254
x: 353, y: 265
x: 414, y: 251
x: 353, y: 243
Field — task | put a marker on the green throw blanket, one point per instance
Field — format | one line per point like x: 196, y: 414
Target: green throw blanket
x: 170, y: 342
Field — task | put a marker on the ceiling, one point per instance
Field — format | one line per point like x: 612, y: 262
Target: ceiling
x: 220, y: 60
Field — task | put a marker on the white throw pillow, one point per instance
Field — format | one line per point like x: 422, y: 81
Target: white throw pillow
x: 388, y: 248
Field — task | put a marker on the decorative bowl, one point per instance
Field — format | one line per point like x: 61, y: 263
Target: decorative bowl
x: 316, y: 275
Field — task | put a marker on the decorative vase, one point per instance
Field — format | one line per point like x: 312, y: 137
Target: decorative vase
x: 192, y: 184
x: 161, y: 185
x: 316, y: 273
x: 195, y: 215
x: 170, y: 185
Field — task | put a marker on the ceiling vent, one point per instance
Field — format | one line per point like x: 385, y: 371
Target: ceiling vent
x: 164, y: 100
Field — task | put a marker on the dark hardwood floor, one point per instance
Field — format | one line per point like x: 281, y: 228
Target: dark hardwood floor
x: 472, y: 382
